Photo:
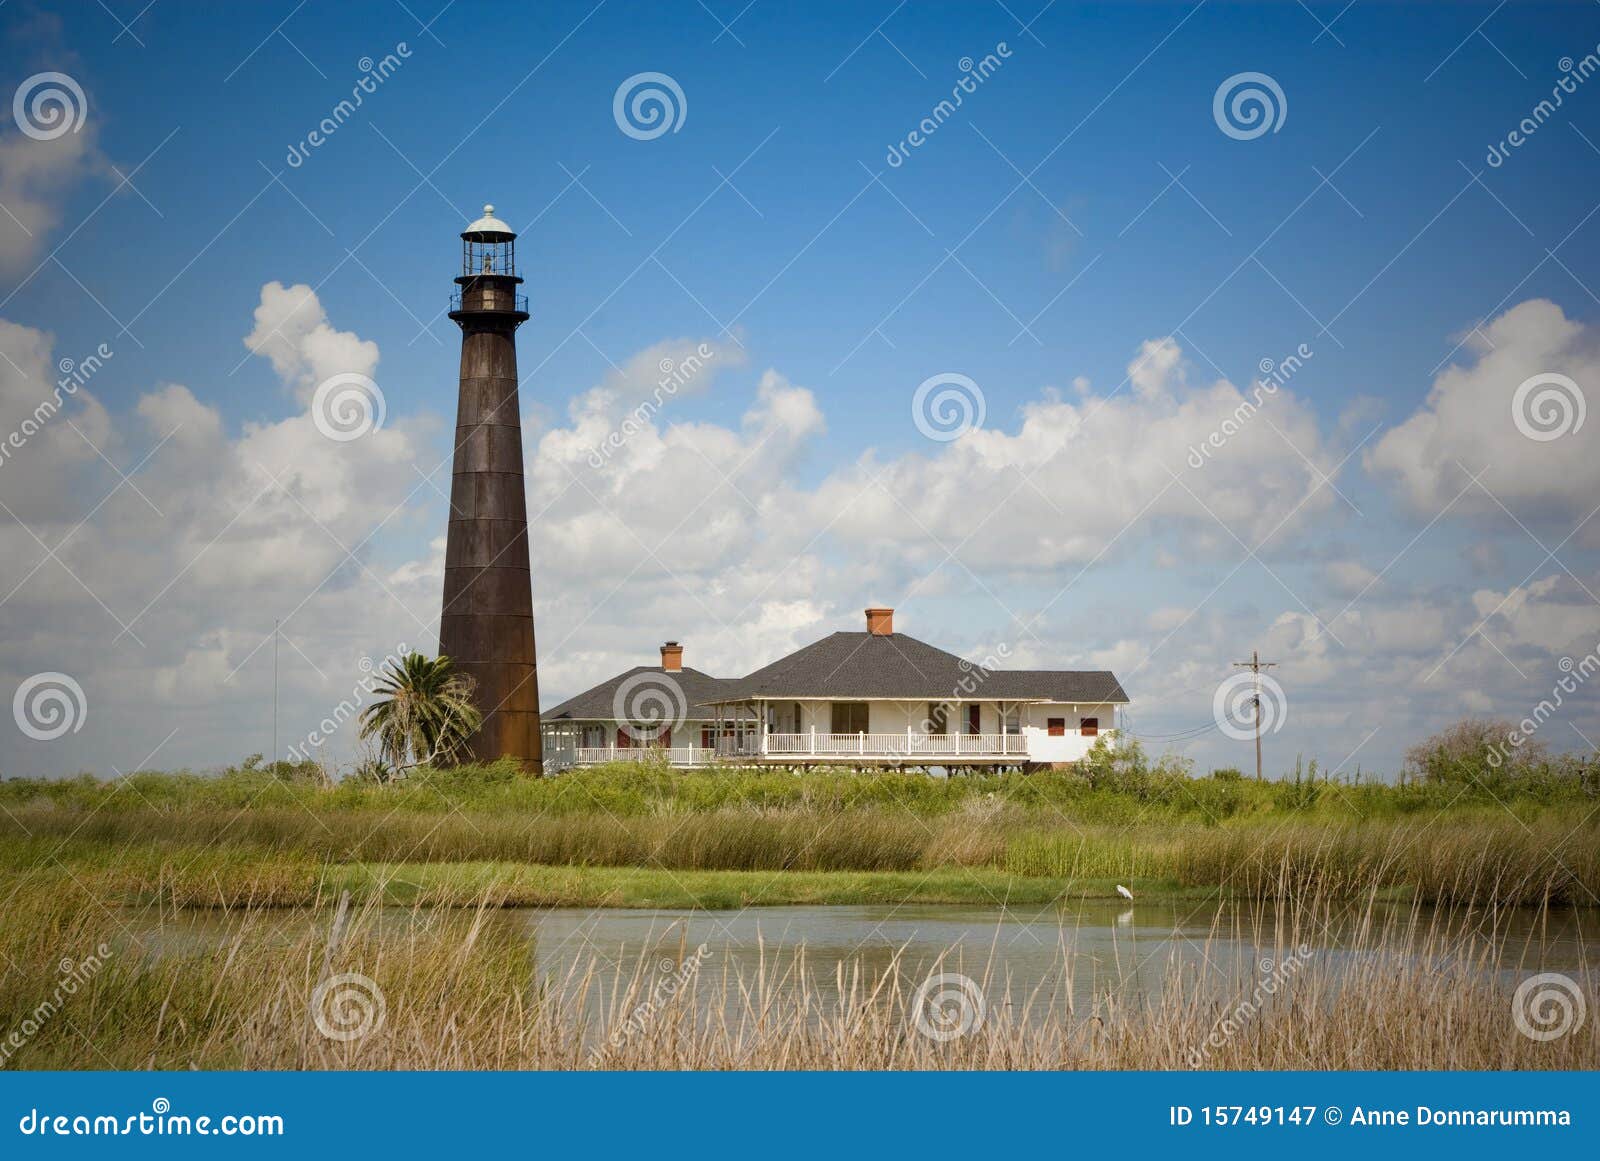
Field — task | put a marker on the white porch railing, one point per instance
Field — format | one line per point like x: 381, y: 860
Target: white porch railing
x: 906, y: 745
x: 675, y: 755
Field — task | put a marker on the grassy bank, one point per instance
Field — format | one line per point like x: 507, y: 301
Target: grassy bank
x: 1532, y: 841
x: 448, y: 989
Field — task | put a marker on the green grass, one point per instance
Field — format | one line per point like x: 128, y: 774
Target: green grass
x: 247, y: 835
x: 1134, y: 790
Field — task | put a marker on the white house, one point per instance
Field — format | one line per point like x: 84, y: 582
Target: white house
x: 876, y: 698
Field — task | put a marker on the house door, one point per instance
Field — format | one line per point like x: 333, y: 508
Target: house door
x: 974, y: 719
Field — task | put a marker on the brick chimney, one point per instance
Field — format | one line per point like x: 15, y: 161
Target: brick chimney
x: 880, y: 622
x: 672, y: 657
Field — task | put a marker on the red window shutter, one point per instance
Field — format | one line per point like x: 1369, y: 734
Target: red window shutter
x: 1091, y: 727
x: 974, y: 719
x: 624, y: 739
x: 1057, y: 727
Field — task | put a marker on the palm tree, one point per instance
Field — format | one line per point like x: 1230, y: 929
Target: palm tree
x: 424, y: 712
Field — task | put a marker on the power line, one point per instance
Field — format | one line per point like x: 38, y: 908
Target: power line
x: 1193, y: 732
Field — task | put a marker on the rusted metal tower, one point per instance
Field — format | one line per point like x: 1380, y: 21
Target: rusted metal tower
x: 486, y: 626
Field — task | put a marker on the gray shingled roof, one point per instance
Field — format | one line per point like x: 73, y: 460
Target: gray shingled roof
x: 866, y: 665
x: 598, y: 704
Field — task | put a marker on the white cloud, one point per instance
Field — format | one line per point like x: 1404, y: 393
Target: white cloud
x: 35, y: 177
x: 1080, y: 480
x: 1466, y: 426
x: 292, y: 330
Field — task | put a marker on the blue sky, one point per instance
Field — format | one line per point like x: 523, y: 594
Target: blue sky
x: 1081, y: 203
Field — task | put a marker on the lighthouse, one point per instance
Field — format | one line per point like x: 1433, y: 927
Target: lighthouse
x: 486, y: 624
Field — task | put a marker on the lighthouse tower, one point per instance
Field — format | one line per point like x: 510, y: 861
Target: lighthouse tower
x: 486, y: 625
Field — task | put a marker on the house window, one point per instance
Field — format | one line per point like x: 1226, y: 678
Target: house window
x: 708, y: 737
x: 849, y: 717
x: 1089, y: 727
x: 592, y: 737
x: 974, y: 719
x: 1011, y: 722
x: 936, y: 719
x: 1056, y: 727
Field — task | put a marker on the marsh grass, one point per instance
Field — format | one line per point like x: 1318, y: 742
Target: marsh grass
x: 1451, y: 857
x: 1407, y: 988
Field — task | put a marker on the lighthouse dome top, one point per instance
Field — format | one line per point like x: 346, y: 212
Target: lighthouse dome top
x: 488, y: 228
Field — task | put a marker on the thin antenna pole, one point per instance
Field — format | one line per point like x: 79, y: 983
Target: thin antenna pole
x: 275, y: 625
x: 1256, y: 665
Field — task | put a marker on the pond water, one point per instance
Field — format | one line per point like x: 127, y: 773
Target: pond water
x: 1064, y: 953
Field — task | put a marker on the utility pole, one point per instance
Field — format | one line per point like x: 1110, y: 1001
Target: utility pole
x: 275, y: 624
x: 1256, y: 665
